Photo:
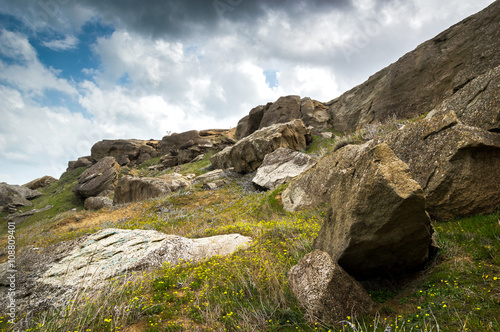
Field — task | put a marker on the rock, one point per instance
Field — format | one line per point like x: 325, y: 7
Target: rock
x: 477, y: 104
x: 20, y: 217
x: 214, y: 175
x: 280, y: 167
x: 114, y: 252
x: 327, y: 134
x: 169, y: 161
x: 250, y: 123
x: 248, y: 153
x: 80, y: 162
x: 283, y: 110
x: 98, y: 178
x: 376, y: 223
x: 133, y: 189
x: 14, y: 195
x: 326, y: 291
x: 124, y: 151
x: 40, y: 182
x: 315, y: 114
x: 213, y: 185
x: 176, y: 141
x: 314, y: 187
x: 423, y: 78
x: 97, y: 203
x: 85, y: 264
x: 458, y: 166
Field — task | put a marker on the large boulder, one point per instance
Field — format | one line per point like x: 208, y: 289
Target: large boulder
x: 97, y: 203
x: 280, y: 167
x: 458, y: 166
x: 283, y: 110
x: 326, y: 291
x: 12, y: 196
x: 478, y: 103
x: 124, y: 150
x: 40, y: 182
x: 314, y: 187
x: 134, y: 189
x: 421, y: 79
x: 99, y: 178
x: 248, y: 153
x: 80, y: 162
x: 182, y: 141
x: 251, y: 123
x: 315, y: 114
x: 376, y: 223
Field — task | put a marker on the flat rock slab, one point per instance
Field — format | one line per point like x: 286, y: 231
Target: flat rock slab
x: 113, y: 252
x: 281, y: 166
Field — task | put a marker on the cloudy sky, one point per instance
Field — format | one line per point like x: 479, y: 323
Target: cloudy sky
x: 76, y: 72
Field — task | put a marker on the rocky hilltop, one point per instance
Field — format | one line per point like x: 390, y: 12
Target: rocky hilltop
x: 304, y: 212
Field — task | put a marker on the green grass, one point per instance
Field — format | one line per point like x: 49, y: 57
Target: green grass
x: 58, y: 194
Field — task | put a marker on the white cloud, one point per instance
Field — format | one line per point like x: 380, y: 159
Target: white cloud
x: 68, y: 43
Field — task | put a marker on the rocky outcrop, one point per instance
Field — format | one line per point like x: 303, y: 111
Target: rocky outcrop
x: 458, y: 166
x: 478, y: 103
x: 285, y: 109
x: 314, y: 187
x: 80, y: 162
x: 248, y: 153
x: 44, y: 181
x: 125, y: 151
x: 326, y: 291
x: 99, y: 178
x: 182, y: 141
x: 12, y: 196
x: 423, y: 78
x: 280, y: 167
x: 97, y: 203
x: 20, y: 217
x: 134, y: 189
x: 114, y: 252
x: 376, y: 222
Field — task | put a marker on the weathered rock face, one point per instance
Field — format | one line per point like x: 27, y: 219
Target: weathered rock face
x: 214, y: 176
x: 248, y: 153
x: 315, y: 114
x: 478, y: 103
x: 458, y: 166
x: 113, y: 252
x: 59, y: 271
x: 133, y: 189
x: 251, y: 123
x: 98, y: 178
x: 281, y: 166
x: 376, y: 222
x: 285, y: 109
x: 314, y: 187
x: 97, y: 203
x: 326, y: 291
x: 40, y: 182
x: 80, y: 162
x: 124, y: 150
x: 14, y: 195
x: 176, y: 141
x: 424, y: 77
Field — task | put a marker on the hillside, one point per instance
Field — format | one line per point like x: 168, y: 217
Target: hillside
x: 376, y: 211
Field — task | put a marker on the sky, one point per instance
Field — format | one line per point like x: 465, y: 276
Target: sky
x: 73, y: 73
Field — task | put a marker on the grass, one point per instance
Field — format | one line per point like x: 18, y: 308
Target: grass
x: 248, y: 291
